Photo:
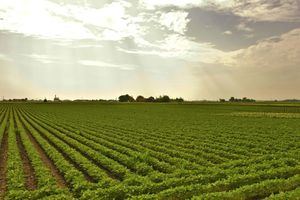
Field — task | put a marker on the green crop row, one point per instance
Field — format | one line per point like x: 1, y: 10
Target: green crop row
x: 15, y: 173
x: 120, y: 151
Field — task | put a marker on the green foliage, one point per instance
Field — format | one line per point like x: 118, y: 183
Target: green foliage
x: 154, y: 151
x: 126, y: 98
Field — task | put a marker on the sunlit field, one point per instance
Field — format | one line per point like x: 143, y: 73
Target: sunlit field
x: 149, y: 151
x: 149, y: 99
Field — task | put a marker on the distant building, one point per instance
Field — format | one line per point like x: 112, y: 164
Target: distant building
x: 56, y: 98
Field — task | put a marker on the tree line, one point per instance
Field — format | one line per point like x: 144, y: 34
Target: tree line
x: 140, y: 98
x: 233, y: 99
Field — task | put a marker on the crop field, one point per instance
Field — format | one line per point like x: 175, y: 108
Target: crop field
x: 149, y: 151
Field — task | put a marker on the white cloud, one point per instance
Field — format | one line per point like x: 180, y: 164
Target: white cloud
x: 47, y: 19
x: 175, y: 21
x: 243, y: 27
x: 51, y: 20
x: 97, y: 63
x: 268, y: 10
x: 112, y: 16
x: 259, y: 10
x: 153, y: 4
x: 274, y: 52
x: 180, y: 47
x: 109, y: 22
x: 88, y: 46
x: 46, y: 59
x: 227, y: 32
x: 34, y: 18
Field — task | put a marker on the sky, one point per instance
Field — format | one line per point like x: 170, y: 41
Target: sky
x: 195, y: 49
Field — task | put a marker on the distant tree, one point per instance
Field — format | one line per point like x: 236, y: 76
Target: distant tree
x: 164, y: 98
x: 150, y: 99
x: 179, y: 99
x: 244, y: 99
x: 126, y: 98
x: 25, y: 99
x: 45, y: 100
x: 140, y: 99
x: 222, y: 100
x: 232, y: 99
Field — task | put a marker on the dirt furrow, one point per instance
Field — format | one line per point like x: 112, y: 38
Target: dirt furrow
x: 77, y: 166
x: 31, y: 182
x: 61, y: 182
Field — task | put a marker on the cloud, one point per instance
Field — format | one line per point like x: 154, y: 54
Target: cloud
x: 34, y: 18
x: 243, y: 27
x: 111, y: 22
x: 275, y: 52
x: 180, y: 47
x: 98, y: 63
x: 76, y: 46
x: 183, y: 4
x: 46, y: 19
x: 88, y: 46
x: 45, y: 59
x: 227, y: 32
x: 74, y: 22
x: 258, y: 10
x: 268, y: 10
x: 153, y: 4
x: 175, y: 21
